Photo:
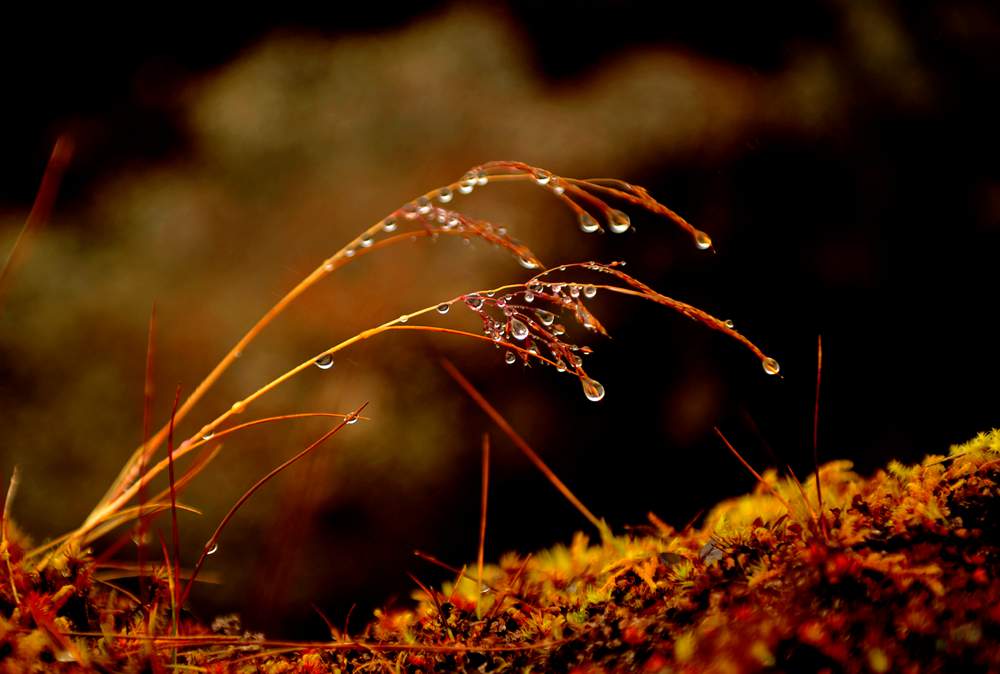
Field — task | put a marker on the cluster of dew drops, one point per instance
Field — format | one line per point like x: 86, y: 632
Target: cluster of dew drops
x: 518, y: 322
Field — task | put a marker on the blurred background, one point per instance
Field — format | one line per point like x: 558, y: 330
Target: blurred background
x: 841, y: 155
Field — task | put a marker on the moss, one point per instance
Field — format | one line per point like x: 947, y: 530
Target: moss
x: 901, y: 576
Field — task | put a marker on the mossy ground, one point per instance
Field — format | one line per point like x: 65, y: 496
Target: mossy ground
x: 902, y: 577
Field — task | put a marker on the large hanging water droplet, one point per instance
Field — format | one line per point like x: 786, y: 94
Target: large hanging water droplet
x: 474, y: 302
x: 445, y: 195
x: 574, y: 291
x: 546, y: 317
x: 589, y: 291
x: 618, y: 222
x: 542, y: 177
x: 527, y: 263
x: 509, y: 358
x: 518, y: 329
x: 770, y: 366
x: 588, y: 224
x: 702, y: 240
x: 529, y: 296
x: 214, y: 548
x: 443, y: 308
x: 592, y: 389
x: 390, y: 225
x: 325, y: 362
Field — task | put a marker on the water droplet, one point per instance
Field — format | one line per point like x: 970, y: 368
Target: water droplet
x: 518, y: 329
x: 214, y: 548
x: 208, y: 436
x: 618, y: 222
x: 533, y: 350
x: 542, y: 177
x: 729, y: 324
x: 445, y: 195
x: 702, y: 240
x: 770, y: 365
x: 389, y: 225
x: 474, y: 302
x: 351, y: 419
x: 502, y: 302
x: 325, y: 362
x: 546, y: 317
x: 367, y: 241
x: 592, y: 389
x: 527, y: 263
x: 403, y: 318
x: 560, y: 366
x: 465, y: 189
x: 423, y: 205
x: 574, y: 291
x: 588, y: 224
x: 469, y: 179
x: 558, y: 330
x: 482, y: 178
x: 327, y: 266
x: 443, y: 308
x: 529, y: 296
x: 349, y: 252
x: 557, y: 288
x: 509, y: 358
x: 238, y: 407
x: 589, y: 291
x: 557, y: 186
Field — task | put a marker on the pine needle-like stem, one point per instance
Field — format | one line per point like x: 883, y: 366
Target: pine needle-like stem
x: 525, y: 448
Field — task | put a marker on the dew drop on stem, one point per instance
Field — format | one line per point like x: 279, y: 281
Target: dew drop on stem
x: 509, y: 358
x: 729, y: 324
x: 546, y: 317
x: 475, y: 303
x: 389, y: 225
x: 324, y: 362
x: 527, y: 262
x: 589, y: 291
x: 770, y: 366
x: 618, y: 222
x: 518, y: 329
x: 212, y: 549
x: 443, y: 308
x: 592, y: 388
x: 542, y: 177
x: 445, y: 195
x: 529, y: 296
x: 588, y: 224
x: 702, y: 240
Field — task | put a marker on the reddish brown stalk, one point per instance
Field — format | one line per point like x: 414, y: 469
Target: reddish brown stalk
x: 753, y: 472
x: 819, y: 491
x: 430, y: 594
x: 482, y: 520
x: 62, y: 152
x: 526, y: 449
x: 213, y: 540
x: 174, y: 528
x: 147, y: 404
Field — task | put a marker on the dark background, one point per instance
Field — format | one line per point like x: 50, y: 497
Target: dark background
x: 873, y: 222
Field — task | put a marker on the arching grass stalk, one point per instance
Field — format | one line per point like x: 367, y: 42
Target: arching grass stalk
x: 424, y: 216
